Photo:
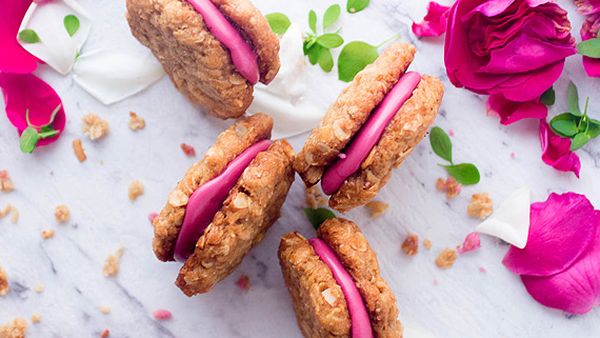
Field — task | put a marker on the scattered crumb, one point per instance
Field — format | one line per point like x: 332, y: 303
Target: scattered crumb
x: 105, y: 333
x: 472, y: 242
x: 152, y: 216
x: 62, y: 213
x: 410, y: 246
x: 111, y: 265
x: 377, y: 208
x: 47, y: 234
x: 36, y: 319
x: 427, y: 243
x: 482, y: 269
x: 314, y: 198
x: 14, y: 215
x: 94, y: 127
x: 243, y: 282
x: 481, y: 206
x: 435, y: 282
x: 136, y: 189
x: 513, y: 155
x: 446, y: 259
x: 39, y: 288
x: 5, y: 211
x: 4, y: 287
x: 14, y: 329
x: 136, y: 122
x: 162, y: 314
x: 450, y: 186
x: 78, y: 150
x: 6, y: 184
x: 451, y: 133
x: 105, y: 310
x: 188, y: 150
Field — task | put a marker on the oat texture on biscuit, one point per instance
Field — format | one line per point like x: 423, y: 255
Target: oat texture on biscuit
x: 252, y: 206
x: 229, y: 144
x: 4, y: 286
x: 481, y: 206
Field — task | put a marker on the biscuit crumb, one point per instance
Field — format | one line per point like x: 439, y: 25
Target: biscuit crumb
x: 6, y: 184
x: 328, y: 296
x: 14, y: 215
x: 377, y: 208
x: 136, y: 189
x: 243, y: 282
x: 39, y: 288
x: 94, y: 127
x: 47, y: 234
x: 78, y: 150
x: 105, y: 333
x: 62, y: 213
x: 410, y: 246
x: 4, y: 286
x: 36, y: 319
x: 450, y: 186
x: 5, y: 211
x: 188, y: 150
x: 481, y: 206
x: 427, y: 243
x: 162, y: 314
x: 446, y: 258
x: 136, y: 122
x: 111, y: 265
x: 178, y: 198
x: 314, y: 198
x: 105, y: 310
x: 14, y: 329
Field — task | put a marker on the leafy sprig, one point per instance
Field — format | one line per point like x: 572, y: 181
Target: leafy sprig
x: 279, y: 22
x: 464, y: 173
x: 33, y: 133
x: 317, y: 216
x: 318, y: 46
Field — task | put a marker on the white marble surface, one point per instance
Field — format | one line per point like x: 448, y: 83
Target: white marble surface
x: 460, y: 302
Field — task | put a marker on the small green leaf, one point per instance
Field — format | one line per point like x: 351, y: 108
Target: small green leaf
x: 330, y: 40
x: 589, y: 48
x: 314, y: 53
x: 71, y: 23
x: 565, y: 124
x: 354, y: 57
x: 29, y: 139
x: 47, y: 132
x: 579, y: 141
x: 549, y: 97
x: 29, y: 36
x: 440, y: 143
x: 594, y: 129
x: 573, y: 99
x: 465, y: 173
x: 355, y: 6
x: 331, y: 15
x: 326, y: 60
x: 312, y: 21
x: 316, y: 217
x: 279, y: 22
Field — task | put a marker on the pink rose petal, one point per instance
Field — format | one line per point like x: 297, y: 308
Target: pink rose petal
x: 511, y: 112
x: 556, y: 150
x: 562, y: 228
x: 13, y: 58
x: 588, y: 7
x: 162, y: 314
x: 435, y: 21
x: 471, y: 243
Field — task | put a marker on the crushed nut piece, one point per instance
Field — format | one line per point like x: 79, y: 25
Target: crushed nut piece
x: 14, y: 329
x: 62, y: 213
x: 136, y: 189
x: 4, y: 287
x: 105, y: 333
x: 243, y: 282
x: 6, y: 184
x: 47, y: 234
x: 314, y: 197
x: 188, y: 150
x: 377, y: 208
x: 162, y: 314
x: 104, y: 310
x: 78, y: 150
x: 36, y: 319
x: 39, y: 288
x: 481, y: 206
x: 410, y: 246
x: 94, y: 127
x: 446, y: 259
x: 111, y: 265
x: 450, y: 186
x: 427, y: 243
x: 136, y: 122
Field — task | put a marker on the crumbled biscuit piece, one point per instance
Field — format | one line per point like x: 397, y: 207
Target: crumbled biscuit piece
x: 427, y: 243
x: 105, y: 333
x: 481, y: 206
x: 111, y: 265
x: 410, y: 246
x: 314, y: 197
x: 4, y: 287
x: 243, y: 282
x: 94, y: 127
x: 446, y: 259
x: 36, y: 319
x: 136, y: 122
x: 39, y: 288
x: 136, y: 189
x: 14, y: 329
x: 377, y: 208
x: 450, y: 186
x: 62, y: 213
x: 105, y: 310
x: 14, y: 215
x: 47, y: 234
x: 78, y: 150
x: 188, y: 150
x: 5, y: 211
x: 6, y: 184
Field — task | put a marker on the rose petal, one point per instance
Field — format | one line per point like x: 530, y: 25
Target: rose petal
x: 472, y: 242
x: 556, y: 150
x: 511, y: 112
x: 591, y: 66
x: 435, y: 21
x: 562, y: 228
x: 588, y: 7
x: 13, y: 58
x: 26, y: 91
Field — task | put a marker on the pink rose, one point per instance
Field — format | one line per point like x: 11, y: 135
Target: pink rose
x: 513, y: 48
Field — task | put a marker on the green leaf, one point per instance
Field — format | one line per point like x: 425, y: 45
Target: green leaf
x: 29, y: 36
x: 312, y: 21
x: 29, y: 139
x: 465, y: 173
x: 354, y: 57
x: 279, y: 22
x: 71, y: 23
x: 440, y: 143
x: 47, y: 132
x: 549, y: 97
x: 594, y: 129
x: 355, y: 6
x: 316, y: 217
x: 331, y: 15
x: 573, y: 99
x: 579, y: 141
x: 330, y: 40
x: 589, y: 48
x: 565, y: 124
x: 314, y: 54
x: 326, y: 60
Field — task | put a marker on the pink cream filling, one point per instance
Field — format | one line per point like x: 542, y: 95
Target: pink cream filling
x: 208, y: 199
x: 370, y: 133
x: 359, y: 317
x: 243, y: 56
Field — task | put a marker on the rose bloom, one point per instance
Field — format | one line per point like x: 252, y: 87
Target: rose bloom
x: 512, y: 48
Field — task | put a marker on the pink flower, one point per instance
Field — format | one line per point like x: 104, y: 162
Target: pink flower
x: 514, y: 48
x: 511, y: 112
x: 556, y: 150
x: 13, y: 58
x: 560, y: 266
x: 434, y: 23
x: 471, y: 243
x: 588, y: 7
x: 590, y: 30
